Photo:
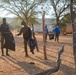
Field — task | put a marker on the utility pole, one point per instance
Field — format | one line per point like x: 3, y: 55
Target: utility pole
x: 44, y: 42
x: 74, y: 30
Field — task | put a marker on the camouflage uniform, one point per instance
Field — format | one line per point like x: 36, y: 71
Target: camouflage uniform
x: 24, y: 30
x: 3, y: 28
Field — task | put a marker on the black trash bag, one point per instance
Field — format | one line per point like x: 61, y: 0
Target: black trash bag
x: 9, y: 41
x: 32, y: 44
x: 51, y: 36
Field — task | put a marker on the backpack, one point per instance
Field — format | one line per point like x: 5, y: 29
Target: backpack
x: 27, y: 34
x: 57, y: 31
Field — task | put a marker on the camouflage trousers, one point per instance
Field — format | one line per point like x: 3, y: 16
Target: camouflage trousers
x: 2, y: 44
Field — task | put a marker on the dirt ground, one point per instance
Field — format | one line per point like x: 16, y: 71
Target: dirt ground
x: 18, y: 64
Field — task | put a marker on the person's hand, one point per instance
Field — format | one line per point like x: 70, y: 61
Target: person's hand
x: 16, y: 35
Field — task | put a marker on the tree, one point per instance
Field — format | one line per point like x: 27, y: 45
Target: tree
x: 74, y: 5
x: 59, y: 7
x: 75, y: 1
x: 74, y: 30
x: 67, y: 18
x: 24, y: 9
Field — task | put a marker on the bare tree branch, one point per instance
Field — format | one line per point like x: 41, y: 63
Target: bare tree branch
x: 57, y: 2
x: 54, y: 7
x: 63, y: 9
x: 21, y: 8
x: 59, y: 7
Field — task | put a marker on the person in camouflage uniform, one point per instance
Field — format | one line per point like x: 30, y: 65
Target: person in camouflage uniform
x: 26, y: 35
x: 3, y: 29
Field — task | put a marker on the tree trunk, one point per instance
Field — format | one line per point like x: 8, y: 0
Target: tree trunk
x: 57, y: 21
x: 74, y: 31
x: 26, y: 21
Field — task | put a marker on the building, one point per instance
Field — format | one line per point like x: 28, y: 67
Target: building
x: 49, y: 22
x: 68, y: 28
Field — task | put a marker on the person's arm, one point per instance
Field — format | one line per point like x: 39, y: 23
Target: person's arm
x: 54, y: 31
x: 31, y: 32
x: 0, y: 28
x: 20, y: 32
x: 47, y: 31
x: 59, y: 30
x: 8, y: 26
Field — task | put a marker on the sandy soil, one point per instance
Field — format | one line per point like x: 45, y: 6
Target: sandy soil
x: 18, y: 64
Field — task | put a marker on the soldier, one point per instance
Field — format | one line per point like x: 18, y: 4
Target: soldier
x: 26, y: 35
x: 4, y: 28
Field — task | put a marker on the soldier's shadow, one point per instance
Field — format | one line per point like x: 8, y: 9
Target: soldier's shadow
x: 18, y: 65
x: 26, y: 65
x: 30, y: 69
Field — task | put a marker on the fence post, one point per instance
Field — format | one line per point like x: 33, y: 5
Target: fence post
x: 44, y: 42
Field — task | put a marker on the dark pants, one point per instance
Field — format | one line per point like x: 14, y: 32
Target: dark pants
x: 57, y: 37
x: 25, y: 46
x: 2, y: 43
